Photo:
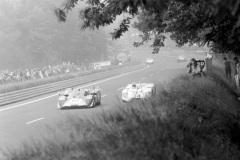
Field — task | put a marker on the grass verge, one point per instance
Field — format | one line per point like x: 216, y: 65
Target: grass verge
x: 187, y: 119
x: 37, y: 82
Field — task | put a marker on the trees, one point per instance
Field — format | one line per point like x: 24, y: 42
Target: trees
x: 188, y: 21
x: 31, y: 36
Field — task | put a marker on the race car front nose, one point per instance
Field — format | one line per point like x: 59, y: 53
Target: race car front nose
x: 61, y: 103
x: 125, y: 96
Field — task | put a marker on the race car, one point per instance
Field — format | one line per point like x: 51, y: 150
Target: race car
x: 138, y: 91
x: 149, y: 61
x: 72, y: 98
x: 181, y: 58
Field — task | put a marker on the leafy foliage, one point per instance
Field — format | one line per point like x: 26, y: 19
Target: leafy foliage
x: 203, y: 22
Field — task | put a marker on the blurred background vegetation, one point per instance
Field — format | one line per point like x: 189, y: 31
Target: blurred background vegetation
x: 31, y: 36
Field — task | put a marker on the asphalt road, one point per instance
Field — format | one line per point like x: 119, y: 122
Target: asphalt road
x: 28, y: 118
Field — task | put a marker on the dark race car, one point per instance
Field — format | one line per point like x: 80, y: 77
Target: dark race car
x: 72, y: 98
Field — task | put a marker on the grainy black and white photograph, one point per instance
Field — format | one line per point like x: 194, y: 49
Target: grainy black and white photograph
x: 119, y: 80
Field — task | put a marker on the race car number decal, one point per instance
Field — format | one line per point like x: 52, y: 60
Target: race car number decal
x: 76, y: 100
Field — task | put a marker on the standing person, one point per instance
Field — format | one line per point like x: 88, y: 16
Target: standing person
x: 228, y: 70
x: 208, y: 60
x: 236, y: 72
x: 196, y: 67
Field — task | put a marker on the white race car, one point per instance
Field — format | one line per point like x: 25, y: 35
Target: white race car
x: 138, y: 91
x: 181, y: 58
x: 72, y: 98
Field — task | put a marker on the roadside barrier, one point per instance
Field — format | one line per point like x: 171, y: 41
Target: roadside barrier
x: 20, y: 95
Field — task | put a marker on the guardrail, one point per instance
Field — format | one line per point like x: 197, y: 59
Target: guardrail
x: 20, y: 95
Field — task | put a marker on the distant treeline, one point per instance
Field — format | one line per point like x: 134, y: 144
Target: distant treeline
x: 31, y: 36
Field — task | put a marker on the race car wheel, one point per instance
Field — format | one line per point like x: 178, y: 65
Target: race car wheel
x: 98, y: 99
x: 98, y: 103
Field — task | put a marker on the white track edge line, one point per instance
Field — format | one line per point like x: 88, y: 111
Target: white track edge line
x: 34, y: 120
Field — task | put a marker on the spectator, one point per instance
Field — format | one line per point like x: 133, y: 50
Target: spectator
x: 196, y: 67
x: 37, y: 73
x: 46, y: 73
x: 40, y: 74
x: 236, y: 73
x: 208, y: 60
x: 227, y: 65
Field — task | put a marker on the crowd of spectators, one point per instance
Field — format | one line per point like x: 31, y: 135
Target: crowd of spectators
x: 38, y: 73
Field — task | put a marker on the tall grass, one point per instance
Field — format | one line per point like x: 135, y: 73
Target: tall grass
x: 187, y: 119
x: 37, y: 82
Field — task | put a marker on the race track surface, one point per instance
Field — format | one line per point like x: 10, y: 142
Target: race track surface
x: 25, y: 119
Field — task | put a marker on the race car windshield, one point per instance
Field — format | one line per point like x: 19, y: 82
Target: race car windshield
x: 81, y: 93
